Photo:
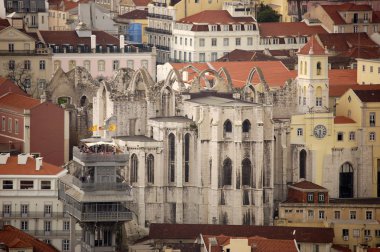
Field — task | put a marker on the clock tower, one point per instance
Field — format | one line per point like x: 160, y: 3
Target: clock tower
x: 312, y: 79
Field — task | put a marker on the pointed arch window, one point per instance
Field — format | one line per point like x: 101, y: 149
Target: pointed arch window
x: 227, y: 172
x: 150, y: 168
x: 246, y: 127
x: 187, y: 156
x: 171, y: 156
x: 246, y: 172
x: 227, y: 126
x: 134, y: 168
x: 346, y: 181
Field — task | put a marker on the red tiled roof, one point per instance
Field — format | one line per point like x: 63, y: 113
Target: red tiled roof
x: 7, y: 86
x: 141, y: 2
x: 17, y: 102
x: 340, y: 248
x: 215, y: 17
x: 13, y: 168
x: 339, y: 90
x: 308, y: 185
x: 135, y: 14
x: 343, y: 120
x: 71, y: 37
x: 4, y: 23
x: 15, y: 238
x: 372, y: 95
x: 312, y: 47
x: 376, y: 16
x: 288, y: 29
x: 261, y: 244
x: 333, y: 10
x: 192, y: 231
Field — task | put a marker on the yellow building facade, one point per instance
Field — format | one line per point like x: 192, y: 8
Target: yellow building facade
x: 368, y: 71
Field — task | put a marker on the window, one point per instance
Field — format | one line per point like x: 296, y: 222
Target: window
x: 227, y: 126
x: 367, y: 232
x: 246, y: 127
x: 371, y: 69
x: 47, y: 226
x: 3, y: 123
x: 10, y: 124
x: 115, y: 65
x: 372, y: 136
x: 189, y: 56
x: 47, y: 241
x: 213, y: 42
x: 7, y: 184
x: 180, y: 41
x: 299, y: 132
x: 130, y: 64
x: 57, y: 64
x: 87, y: 65
x: 319, y: 69
x: 310, y: 197
x: 66, y: 225
x: 16, y: 126
x: 372, y: 119
x: 150, y: 168
x: 353, y: 215
x: 226, y: 27
x: 201, y: 42
x: 318, y: 99
x: 226, y: 42
x: 237, y: 27
x: 368, y: 215
x: 187, y: 156
x: 214, y: 27
x: 48, y: 210
x: 345, y: 232
x: 321, y: 214
x: 363, y: 68
x: 352, y: 135
x: 214, y: 56
x: 310, y: 214
x: 246, y: 172
x: 27, y: 64
x: 237, y: 41
x: 26, y: 184
x: 145, y: 64
x: 24, y: 209
x: 377, y: 232
x: 356, y: 28
x: 134, y: 168
x: 24, y: 225
x: 340, y: 136
x: 227, y: 172
x: 321, y: 197
x: 315, y: 248
x: 101, y: 65
x: 7, y: 209
x: 11, y: 47
x: 11, y: 65
x: 42, y: 64
x: 249, y: 41
x: 337, y: 215
x: 171, y: 142
x: 185, y: 41
x: 356, y: 233
x: 202, y: 57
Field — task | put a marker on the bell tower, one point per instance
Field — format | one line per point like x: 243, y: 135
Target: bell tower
x: 312, y: 79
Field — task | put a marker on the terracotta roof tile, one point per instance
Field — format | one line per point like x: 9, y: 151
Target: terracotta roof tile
x: 4, y: 23
x: 215, y: 17
x: 141, y: 2
x: 135, y: 14
x: 372, y: 95
x: 343, y: 120
x: 17, y: 102
x: 333, y: 10
x: 71, y: 37
x: 307, y: 185
x: 288, y: 29
x: 313, y: 47
x: 13, y: 168
x: 376, y: 17
x: 192, y: 231
x: 10, y: 235
x: 339, y: 90
x: 355, y: 201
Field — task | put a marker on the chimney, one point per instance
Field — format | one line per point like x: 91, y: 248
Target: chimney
x: 38, y: 163
x: 122, y: 41
x: 93, y: 43
x: 22, y: 158
x: 4, y: 157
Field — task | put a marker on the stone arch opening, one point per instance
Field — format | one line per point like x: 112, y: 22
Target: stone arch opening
x: 302, y: 164
x: 246, y: 172
x: 171, y: 156
x: 346, y: 181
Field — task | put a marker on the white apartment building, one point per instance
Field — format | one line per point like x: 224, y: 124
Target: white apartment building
x: 210, y: 34
x: 29, y: 199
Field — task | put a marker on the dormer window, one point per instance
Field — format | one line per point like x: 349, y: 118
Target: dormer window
x: 237, y: 27
x: 226, y: 28
x: 214, y: 27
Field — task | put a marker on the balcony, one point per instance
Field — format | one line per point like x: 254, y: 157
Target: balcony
x: 159, y: 16
x: 120, y: 214
x: 161, y: 47
x: 99, y: 157
x: 90, y: 187
x: 52, y: 233
x: 33, y: 215
x: 155, y: 30
x: 25, y: 52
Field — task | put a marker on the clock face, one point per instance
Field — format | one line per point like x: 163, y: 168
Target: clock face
x: 320, y: 131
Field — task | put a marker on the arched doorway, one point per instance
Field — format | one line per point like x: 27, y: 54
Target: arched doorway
x: 346, y: 181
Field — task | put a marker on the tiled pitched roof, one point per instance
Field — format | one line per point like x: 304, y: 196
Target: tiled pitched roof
x: 356, y: 201
x: 288, y: 29
x: 343, y: 120
x: 215, y: 17
x: 4, y: 23
x: 340, y: 248
x: 368, y: 95
x: 17, y: 102
x: 7, y: 86
x: 260, y: 244
x: 13, y: 168
x: 15, y: 238
x: 192, y: 231
x: 333, y: 10
x: 313, y: 47
x: 135, y: 14
x: 141, y: 2
x: 339, y: 90
x: 71, y: 37
x: 307, y: 185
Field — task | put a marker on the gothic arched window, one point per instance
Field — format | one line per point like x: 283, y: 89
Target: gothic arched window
x: 246, y: 126
x: 246, y: 172
x: 227, y: 126
x: 227, y: 172
x: 187, y: 156
x: 150, y: 168
x: 134, y: 168
x: 346, y: 181
x: 171, y: 149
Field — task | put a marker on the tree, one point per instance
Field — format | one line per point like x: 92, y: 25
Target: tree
x: 267, y: 14
x: 19, y: 74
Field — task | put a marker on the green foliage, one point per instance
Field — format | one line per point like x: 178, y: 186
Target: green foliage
x: 267, y: 14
